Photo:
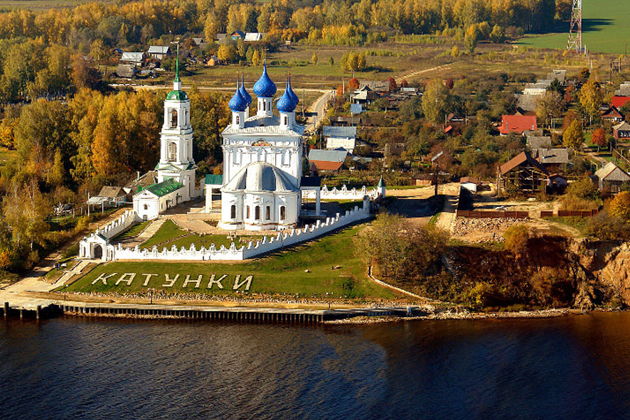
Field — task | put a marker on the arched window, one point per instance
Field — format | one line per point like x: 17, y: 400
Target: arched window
x: 172, y: 151
x: 173, y: 118
x: 247, y: 212
x: 268, y: 213
x: 233, y: 211
x: 286, y: 120
x: 238, y: 119
x: 257, y: 213
x: 283, y: 212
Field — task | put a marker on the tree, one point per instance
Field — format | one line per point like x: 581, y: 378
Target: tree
x: 25, y: 210
x: 314, y: 59
x: 573, y: 136
x: 498, y: 34
x: 591, y: 97
x: 620, y: 205
x: 434, y: 101
x: 471, y: 38
x: 550, y: 105
x: 599, y: 138
x: 227, y: 53
x: 331, y: 61
x: 256, y: 58
x: 392, y: 86
x: 583, y: 188
x: 353, y: 84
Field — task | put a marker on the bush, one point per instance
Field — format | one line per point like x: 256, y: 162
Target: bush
x: 620, y: 205
x: 516, y: 237
x: 400, y: 250
x: 608, y: 228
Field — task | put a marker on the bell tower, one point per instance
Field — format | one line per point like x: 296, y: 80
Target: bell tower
x: 176, y: 139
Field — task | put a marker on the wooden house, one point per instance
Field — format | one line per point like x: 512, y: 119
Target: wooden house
x: 522, y: 174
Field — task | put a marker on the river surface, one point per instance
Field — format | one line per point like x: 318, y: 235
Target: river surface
x: 563, y: 368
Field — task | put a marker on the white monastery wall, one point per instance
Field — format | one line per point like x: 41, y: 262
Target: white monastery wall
x: 267, y: 244
x: 342, y: 193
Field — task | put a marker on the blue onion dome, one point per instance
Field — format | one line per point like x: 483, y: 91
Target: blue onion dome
x: 245, y: 94
x: 286, y: 103
x: 265, y: 87
x: 295, y: 98
x: 238, y: 103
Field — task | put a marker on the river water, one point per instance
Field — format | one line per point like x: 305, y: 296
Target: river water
x: 564, y: 368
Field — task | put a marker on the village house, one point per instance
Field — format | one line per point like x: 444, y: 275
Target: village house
x: 236, y: 35
x: 126, y: 71
x: 149, y: 202
x: 538, y: 142
x: 365, y: 95
x: 612, y: 115
x: 253, y: 37
x: 109, y: 196
x: 621, y: 131
x: 611, y: 178
x: 619, y: 101
x: 133, y: 58
x: 326, y: 160
x: 522, y: 174
x: 554, y: 160
x: 517, y: 124
x: 158, y: 52
x: 340, y: 137
x: 624, y: 89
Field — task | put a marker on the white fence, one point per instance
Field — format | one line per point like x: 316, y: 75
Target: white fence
x: 344, y: 193
x: 267, y: 244
x: 114, y: 227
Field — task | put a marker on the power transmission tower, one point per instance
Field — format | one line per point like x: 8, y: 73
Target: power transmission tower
x: 575, y: 30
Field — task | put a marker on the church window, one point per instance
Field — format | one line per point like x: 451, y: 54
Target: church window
x: 286, y: 120
x: 257, y: 212
x: 238, y: 119
x: 173, y: 118
x: 172, y: 151
x: 233, y: 211
x: 283, y: 212
x: 247, y: 212
x: 146, y: 207
x: 268, y: 213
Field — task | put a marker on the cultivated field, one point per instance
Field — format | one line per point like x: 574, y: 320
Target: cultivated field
x: 606, y: 28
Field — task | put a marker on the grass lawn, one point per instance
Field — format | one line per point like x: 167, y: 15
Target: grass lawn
x: 283, y: 273
x: 170, y: 234
x: 578, y: 223
x: 606, y: 28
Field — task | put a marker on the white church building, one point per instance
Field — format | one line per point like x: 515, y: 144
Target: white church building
x: 262, y: 161
x: 176, y: 169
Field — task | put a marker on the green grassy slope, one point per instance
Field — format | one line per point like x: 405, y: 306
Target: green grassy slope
x: 606, y: 28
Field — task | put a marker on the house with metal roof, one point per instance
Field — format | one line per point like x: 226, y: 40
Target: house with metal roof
x: 158, y: 52
x: 149, y: 202
x: 340, y: 137
x: 553, y: 159
x: 621, y: 131
x: 134, y: 58
x: 327, y: 160
x: 538, y: 142
x: 611, y: 178
x: 253, y: 37
x: 517, y: 124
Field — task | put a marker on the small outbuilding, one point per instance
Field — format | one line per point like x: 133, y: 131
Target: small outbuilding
x: 611, y: 178
x: 622, y: 131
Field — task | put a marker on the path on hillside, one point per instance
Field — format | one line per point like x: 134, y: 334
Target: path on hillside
x: 447, y: 217
x: 415, y: 73
x: 143, y: 236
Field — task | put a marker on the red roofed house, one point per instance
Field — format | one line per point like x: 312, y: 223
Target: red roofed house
x: 619, y: 101
x: 612, y: 114
x: 517, y: 124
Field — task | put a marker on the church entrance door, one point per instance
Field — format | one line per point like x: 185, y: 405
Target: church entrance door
x: 98, y: 251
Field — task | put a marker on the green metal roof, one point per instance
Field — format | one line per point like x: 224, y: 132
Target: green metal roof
x: 177, y: 95
x: 164, y: 187
x: 214, y: 179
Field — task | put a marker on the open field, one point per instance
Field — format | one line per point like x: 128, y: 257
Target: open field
x: 606, y: 28
x: 334, y: 271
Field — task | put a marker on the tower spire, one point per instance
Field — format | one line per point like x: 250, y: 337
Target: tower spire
x: 177, y: 83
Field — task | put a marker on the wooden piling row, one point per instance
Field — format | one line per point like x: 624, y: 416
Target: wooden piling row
x: 195, y: 314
